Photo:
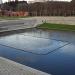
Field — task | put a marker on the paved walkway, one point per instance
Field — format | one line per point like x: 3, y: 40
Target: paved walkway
x: 8, y: 67
x: 8, y: 25
x: 23, y: 23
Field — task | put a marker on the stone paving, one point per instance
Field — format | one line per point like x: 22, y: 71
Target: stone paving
x: 8, y: 25
x: 8, y: 67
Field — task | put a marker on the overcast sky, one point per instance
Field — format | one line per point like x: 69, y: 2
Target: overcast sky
x: 32, y: 0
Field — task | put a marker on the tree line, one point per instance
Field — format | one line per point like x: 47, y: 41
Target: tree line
x: 49, y: 8
x: 52, y: 9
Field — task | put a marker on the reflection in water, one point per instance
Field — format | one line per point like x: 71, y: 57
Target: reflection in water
x: 50, y: 34
x: 59, y: 62
x: 31, y: 44
x: 68, y: 49
x: 26, y: 58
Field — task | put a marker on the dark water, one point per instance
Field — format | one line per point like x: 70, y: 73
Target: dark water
x: 49, y: 51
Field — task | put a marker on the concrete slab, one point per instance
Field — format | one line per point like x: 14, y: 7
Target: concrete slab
x: 8, y: 67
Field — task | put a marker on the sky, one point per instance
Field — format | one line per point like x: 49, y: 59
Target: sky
x: 32, y: 0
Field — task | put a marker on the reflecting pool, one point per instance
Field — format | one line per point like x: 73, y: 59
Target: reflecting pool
x: 49, y: 51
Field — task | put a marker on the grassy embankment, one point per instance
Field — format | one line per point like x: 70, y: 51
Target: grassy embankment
x: 50, y: 26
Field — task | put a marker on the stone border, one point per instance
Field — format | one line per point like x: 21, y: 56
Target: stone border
x: 21, y: 68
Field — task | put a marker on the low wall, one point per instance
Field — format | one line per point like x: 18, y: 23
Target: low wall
x: 59, y: 20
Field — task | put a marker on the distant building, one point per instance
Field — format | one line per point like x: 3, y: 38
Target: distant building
x: 12, y: 8
x: 37, y: 8
x: 16, y: 13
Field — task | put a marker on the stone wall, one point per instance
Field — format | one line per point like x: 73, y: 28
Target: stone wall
x: 57, y: 20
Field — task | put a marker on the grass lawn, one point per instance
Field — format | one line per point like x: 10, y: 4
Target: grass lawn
x: 12, y: 17
x: 57, y: 26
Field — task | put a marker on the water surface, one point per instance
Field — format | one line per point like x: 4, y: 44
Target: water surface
x: 49, y: 51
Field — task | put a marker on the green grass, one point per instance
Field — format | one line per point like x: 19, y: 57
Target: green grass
x: 57, y: 26
x: 12, y: 17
